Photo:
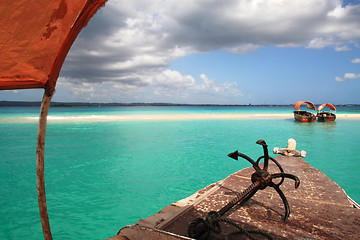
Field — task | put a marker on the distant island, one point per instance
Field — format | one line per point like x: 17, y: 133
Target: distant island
x: 87, y: 104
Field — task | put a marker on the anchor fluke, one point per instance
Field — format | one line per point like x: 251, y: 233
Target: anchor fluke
x: 234, y: 155
x: 261, y: 142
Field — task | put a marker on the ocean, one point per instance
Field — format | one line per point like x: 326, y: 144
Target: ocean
x: 104, y: 171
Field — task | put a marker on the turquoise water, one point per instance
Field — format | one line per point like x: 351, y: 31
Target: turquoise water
x: 101, y: 176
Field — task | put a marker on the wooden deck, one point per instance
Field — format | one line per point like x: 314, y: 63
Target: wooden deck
x: 319, y: 208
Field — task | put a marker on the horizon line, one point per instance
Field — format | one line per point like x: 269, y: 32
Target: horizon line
x: 5, y: 103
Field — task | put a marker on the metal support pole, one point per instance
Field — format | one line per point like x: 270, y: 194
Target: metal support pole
x: 40, y: 179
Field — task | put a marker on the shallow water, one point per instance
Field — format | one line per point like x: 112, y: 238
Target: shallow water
x: 101, y: 176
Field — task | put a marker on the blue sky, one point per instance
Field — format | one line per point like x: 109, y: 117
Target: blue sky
x: 273, y: 75
x: 217, y: 52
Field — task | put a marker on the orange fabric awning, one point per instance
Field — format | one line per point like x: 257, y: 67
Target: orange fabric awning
x: 309, y: 105
x: 326, y: 104
x: 36, y: 36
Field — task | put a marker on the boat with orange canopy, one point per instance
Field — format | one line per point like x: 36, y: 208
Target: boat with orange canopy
x: 326, y: 116
x: 34, y: 42
x: 304, y: 116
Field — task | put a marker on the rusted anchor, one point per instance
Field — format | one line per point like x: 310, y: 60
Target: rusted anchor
x: 261, y: 179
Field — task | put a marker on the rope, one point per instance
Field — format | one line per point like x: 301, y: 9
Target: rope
x: 201, y: 228
x: 245, y: 231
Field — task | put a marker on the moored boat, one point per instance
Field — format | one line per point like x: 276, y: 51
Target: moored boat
x: 324, y: 116
x: 304, y: 116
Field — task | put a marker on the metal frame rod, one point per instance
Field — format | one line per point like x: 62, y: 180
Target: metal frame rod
x: 40, y: 176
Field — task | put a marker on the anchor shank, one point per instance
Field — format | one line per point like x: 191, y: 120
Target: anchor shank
x: 241, y: 197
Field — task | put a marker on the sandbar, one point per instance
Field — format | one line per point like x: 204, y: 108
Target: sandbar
x: 171, y: 117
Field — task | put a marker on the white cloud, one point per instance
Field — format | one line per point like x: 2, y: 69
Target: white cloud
x: 356, y: 60
x: 131, y: 44
x: 348, y: 76
x: 320, y: 42
x: 173, y: 85
x: 342, y: 48
x: 166, y: 86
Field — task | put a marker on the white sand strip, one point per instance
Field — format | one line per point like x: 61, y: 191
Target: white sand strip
x: 182, y: 117
x: 164, y: 117
x: 348, y: 116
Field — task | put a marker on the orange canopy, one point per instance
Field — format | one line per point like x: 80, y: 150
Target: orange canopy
x: 309, y: 105
x: 326, y: 104
x: 36, y: 36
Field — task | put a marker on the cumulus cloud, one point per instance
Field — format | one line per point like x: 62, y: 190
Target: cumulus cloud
x: 342, y: 48
x: 348, y: 76
x: 166, y: 86
x: 130, y: 45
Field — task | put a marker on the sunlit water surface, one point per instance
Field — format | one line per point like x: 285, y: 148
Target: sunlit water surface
x: 101, y: 176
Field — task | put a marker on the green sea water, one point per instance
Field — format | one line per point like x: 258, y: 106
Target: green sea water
x: 101, y: 176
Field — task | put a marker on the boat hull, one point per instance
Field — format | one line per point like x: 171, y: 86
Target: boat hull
x: 304, y: 116
x: 326, y: 117
x: 328, y: 201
